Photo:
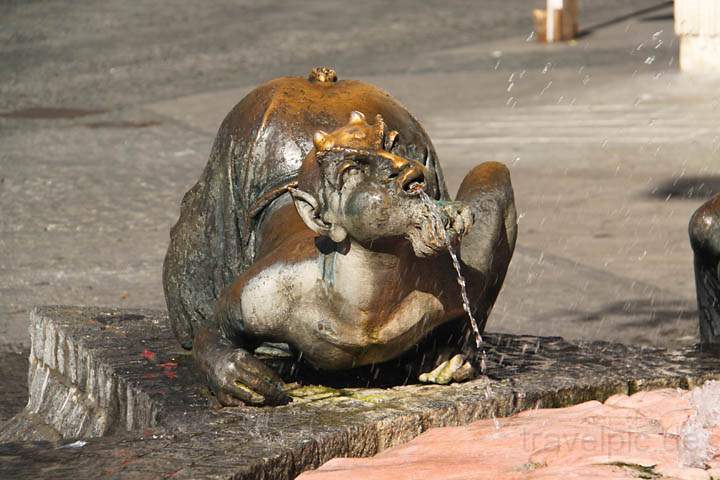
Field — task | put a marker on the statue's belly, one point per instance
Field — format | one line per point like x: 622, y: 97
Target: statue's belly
x: 334, y: 341
x: 290, y: 303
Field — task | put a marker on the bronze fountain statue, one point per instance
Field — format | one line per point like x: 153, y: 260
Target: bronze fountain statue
x: 705, y: 242
x: 322, y: 222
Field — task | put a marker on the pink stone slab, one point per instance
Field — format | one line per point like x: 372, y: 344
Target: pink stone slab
x: 611, y: 440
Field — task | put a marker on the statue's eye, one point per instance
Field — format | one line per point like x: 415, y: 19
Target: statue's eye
x: 352, y: 170
x: 350, y: 173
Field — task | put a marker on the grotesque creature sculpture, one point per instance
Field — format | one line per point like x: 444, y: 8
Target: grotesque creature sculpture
x: 322, y: 221
x: 705, y: 241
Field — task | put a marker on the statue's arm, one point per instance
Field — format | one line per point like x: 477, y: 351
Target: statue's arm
x: 233, y: 373
x: 489, y: 243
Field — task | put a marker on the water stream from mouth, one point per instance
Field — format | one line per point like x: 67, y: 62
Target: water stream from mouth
x: 435, y: 211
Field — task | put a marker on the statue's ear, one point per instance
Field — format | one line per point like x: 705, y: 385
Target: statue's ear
x: 308, y: 209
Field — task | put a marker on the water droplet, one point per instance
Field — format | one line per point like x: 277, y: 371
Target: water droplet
x: 545, y: 88
x: 496, y: 422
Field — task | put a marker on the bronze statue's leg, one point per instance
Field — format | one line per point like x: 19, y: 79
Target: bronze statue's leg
x: 705, y: 240
x: 233, y: 373
x: 488, y: 247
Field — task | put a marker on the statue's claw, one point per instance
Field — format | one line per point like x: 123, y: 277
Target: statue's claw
x: 460, y: 217
x: 457, y: 369
x: 449, y: 221
x: 238, y: 376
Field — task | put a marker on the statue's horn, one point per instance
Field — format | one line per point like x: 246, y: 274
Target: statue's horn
x: 320, y: 139
x: 390, y: 138
x: 357, y: 118
x: 379, y: 128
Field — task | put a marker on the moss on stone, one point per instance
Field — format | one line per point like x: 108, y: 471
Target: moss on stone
x: 640, y: 471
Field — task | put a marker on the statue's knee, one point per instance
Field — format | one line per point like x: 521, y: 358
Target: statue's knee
x: 704, y: 229
x: 488, y: 177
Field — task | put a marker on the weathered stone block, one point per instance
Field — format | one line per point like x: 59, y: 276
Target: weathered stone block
x: 125, y: 379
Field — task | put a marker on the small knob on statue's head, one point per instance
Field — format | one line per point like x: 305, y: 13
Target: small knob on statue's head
x: 323, y: 75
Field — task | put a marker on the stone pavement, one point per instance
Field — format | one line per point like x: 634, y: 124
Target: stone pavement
x: 610, y: 149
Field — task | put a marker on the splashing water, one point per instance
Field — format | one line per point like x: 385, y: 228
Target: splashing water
x: 695, y: 446
x: 496, y: 422
x: 435, y: 211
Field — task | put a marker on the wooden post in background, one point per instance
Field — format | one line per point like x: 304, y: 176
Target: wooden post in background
x: 558, y: 22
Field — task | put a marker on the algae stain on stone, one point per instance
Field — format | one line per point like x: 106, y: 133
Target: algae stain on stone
x: 640, y: 471
x: 368, y: 397
x: 312, y: 393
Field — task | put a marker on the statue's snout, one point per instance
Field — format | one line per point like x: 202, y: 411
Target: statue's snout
x: 412, y: 179
x: 410, y: 175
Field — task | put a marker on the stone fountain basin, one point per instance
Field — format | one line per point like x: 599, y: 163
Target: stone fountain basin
x: 117, y: 380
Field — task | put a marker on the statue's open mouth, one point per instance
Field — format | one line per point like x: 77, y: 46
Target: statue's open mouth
x: 415, y: 187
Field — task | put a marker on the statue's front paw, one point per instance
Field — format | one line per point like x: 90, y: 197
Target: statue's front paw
x: 457, y: 369
x: 237, y: 378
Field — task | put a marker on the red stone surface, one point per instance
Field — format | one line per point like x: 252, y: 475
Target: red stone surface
x: 645, y: 435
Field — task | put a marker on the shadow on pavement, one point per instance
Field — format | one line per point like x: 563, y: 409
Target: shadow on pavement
x: 686, y: 188
x: 614, y: 21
